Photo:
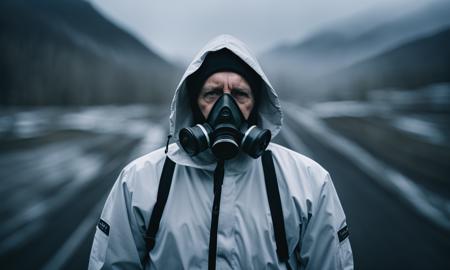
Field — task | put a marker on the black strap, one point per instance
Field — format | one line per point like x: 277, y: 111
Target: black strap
x: 161, y: 199
x: 276, y: 209
x: 218, y: 181
x: 273, y: 195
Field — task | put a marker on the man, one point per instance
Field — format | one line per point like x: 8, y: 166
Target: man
x: 233, y: 201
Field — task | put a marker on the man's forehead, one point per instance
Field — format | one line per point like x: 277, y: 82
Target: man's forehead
x: 231, y: 78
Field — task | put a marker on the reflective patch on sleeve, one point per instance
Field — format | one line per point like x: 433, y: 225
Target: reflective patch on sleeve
x: 343, y: 233
x: 103, y: 226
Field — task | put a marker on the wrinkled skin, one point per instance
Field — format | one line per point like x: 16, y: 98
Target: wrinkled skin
x: 231, y: 83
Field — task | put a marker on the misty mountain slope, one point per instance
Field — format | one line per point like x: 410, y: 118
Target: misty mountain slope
x: 65, y: 52
x: 342, y: 43
x: 338, y: 47
x: 416, y: 64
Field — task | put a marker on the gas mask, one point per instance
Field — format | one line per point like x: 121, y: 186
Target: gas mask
x: 226, y: 132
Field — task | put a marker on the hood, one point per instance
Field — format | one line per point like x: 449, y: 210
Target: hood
x: 269, y: 110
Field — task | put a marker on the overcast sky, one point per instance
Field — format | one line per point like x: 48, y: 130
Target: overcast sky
x: 177, y: 29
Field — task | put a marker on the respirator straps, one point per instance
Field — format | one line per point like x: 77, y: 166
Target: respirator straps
x: 218, y: 181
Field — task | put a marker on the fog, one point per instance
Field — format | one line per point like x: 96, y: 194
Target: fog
x: 178, y: 29
x: 364, y: 86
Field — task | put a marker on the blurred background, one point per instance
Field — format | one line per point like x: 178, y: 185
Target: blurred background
x: 85, y: 88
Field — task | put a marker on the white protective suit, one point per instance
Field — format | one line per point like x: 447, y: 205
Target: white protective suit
x: 312, y: 212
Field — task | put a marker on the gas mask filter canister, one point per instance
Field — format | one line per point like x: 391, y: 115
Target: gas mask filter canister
x: 225, y: 132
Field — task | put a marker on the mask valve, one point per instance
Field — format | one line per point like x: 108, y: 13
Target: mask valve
x: 195, y: 139
x: 223, y: 133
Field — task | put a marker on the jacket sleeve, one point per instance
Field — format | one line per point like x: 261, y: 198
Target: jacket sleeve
x: 118, y: 242
x: 325, y: 243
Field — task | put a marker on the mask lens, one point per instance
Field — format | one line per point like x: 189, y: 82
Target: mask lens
x: 255, y: 141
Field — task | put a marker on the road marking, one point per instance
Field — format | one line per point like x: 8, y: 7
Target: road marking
x: 294, y: 142
x: 63, y: 255
x: 19, y: 238
x: 426, y: 203
x: 89, y: 167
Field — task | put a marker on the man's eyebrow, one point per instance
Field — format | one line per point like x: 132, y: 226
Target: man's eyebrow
x: 242, y: 88
x: 212, y: 87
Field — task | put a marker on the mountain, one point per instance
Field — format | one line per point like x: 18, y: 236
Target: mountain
x: 63, y: 52
x: 412, y: 65
x: 301, y: 65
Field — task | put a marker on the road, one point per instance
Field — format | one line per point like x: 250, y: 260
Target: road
x: 385, y: 232
x: 54, y: 185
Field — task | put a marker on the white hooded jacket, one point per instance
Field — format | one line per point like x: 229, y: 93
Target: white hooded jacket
x: 312, y: 212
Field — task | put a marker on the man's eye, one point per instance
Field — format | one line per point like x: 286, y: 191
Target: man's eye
x: 240, y: 93
x: 211, y: 94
